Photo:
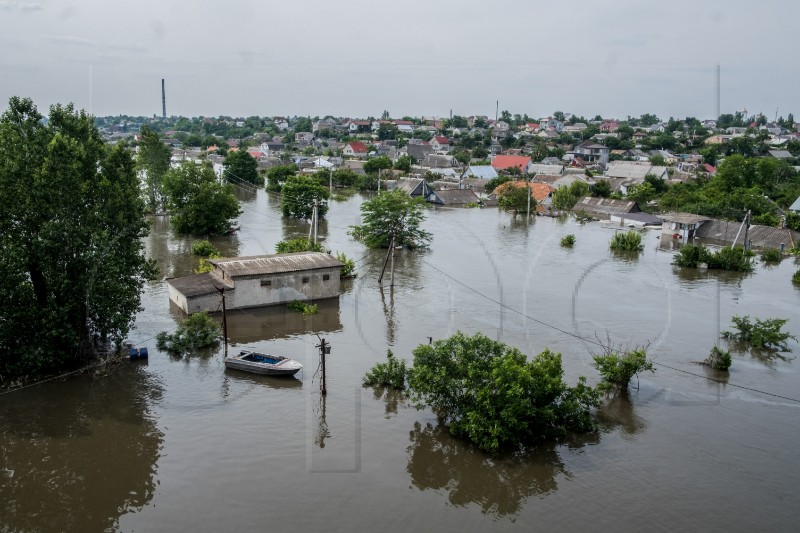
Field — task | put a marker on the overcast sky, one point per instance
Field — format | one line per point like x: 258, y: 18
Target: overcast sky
x: 416, y: 57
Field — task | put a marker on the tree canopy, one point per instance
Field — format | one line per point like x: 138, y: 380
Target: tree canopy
x: 199, y: 204
x: 73, y: 265
x: 298, y: 195
x: 392, y: 213
x: 153, y: 159
x: 241, y: 166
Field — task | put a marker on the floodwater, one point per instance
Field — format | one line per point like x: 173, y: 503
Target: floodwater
x: 181, y: 444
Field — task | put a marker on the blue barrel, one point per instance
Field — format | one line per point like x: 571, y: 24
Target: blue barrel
x: 138, y: 353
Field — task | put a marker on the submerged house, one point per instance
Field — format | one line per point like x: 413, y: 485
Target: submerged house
x: 257, y: 281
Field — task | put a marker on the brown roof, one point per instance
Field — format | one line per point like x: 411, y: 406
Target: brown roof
x: 457, y: 196
x: 539, y: 191
x: 198, y: 284
x: 683, y: 218
x: 258, y: 265
x: 605, y: 206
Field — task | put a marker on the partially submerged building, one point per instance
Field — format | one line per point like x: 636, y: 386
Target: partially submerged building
x: 257, y: 281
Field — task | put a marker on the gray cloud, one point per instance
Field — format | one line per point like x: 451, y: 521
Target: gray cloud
x: 89, y: 43
x: 14, y: 5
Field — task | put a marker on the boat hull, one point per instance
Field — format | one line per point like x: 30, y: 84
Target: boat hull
x: 266, y: 365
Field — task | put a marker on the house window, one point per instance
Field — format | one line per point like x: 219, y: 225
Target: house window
x: 326, y: 277
x: 305, y: 279
x: 266, y: 283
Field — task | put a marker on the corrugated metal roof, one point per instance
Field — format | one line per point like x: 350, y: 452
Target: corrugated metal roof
x: 684, y: 218
x: 605, y: 206
x: 761, y: 236
x: 457, y: 196
x: 199, y: 284
x: 272, y: 264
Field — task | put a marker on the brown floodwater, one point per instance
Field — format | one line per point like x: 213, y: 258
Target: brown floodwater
x: 181, y: 444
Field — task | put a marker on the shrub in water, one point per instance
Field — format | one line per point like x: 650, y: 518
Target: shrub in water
x: 630, y: 241
x: 302, y: 307
x: 617, y: 370
x: 391, y: 373
x: 771, y: 255
x: 761, y: 333
x: 796, y: 277
x: 298, y: 245
x: 727, y: 258
x: 568, y: 241
x: 719, y: 359
x: 196, y: 332
x: 204, y: 248
x: 348, y: 268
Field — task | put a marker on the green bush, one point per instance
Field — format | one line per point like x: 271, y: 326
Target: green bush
x: 298, y: 245
x: 796, y: 277
x: 630, y: 241
x: 761, y: 333
x: 302, y: 307
x: 719, y: 359
x: 348, y: 268
x: 617, y: 369
x: 391, y: 373
x: 727, y: 258
x: 204, y: 248
x: 196, y: 332
x: 771, y: 255
x: 568, y: 241
x: 491, y: 394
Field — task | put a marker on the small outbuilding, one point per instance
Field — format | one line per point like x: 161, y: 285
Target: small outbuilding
x: 453, y: 197
x: 682, y: 225
x: 258, y: 281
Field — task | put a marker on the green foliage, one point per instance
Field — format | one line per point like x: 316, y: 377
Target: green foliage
x: 630, y: 241
x: 204, y: 248
x: 374, y: 164
x: 641, y: 194
x: 601, y: 188
x: 565, y: 197
x: 348, y: 268
x: 153, y: 159
x: 493, y: 183
x: 241, y: 166
x: 205, y: 265
x: 771, y: 255
x: 793, y: 220
x: 767, y: 219
x: 198, y: 204
x: 302, y: 307
x: 761, y: 333
x: 618, y: 369
x: 489, y: 393
x: 796, y: 277
x: 733, y: 259
x: 392, y: 213
x: 298, y: 245
x: 404, y: 163
x: 719, y: 359
x: 298, y: 195
x: 196, y: 332
x: 391, y: 373
x: 72, y: 265
x: 512, y: 197
x: 277, y: 176
x: 568, y: 241
x: 344, y: 177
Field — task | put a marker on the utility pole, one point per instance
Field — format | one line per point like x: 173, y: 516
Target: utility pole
x: 330, y: 176
x: 391, y: 283
x: 746, y: 227
x: 379, y: 180
x: 386, y: 259
x: 528, y: 188
x: 224, y: 320
x: 324, y: 349
x: 315, y: 217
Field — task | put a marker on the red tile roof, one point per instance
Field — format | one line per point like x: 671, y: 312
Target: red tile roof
x: 539, y: 191
x: 502, y: 162
x: 358, y: 147
x: 442, y: 140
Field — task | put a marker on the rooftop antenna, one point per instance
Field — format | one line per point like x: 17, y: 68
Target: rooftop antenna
x: 163, y: 100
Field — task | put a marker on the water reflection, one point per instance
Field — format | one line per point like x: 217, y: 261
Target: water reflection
x: 77, y: 455
x: 393, y: 398
x: 388, y: 312
x: 499, y: 486
x: 618, y: 412
x: 322, y: 431
x: 691, y: 276
x: 275, y: 322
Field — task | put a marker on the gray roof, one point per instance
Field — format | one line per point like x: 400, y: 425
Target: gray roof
x: 795, y: 206
x: 539, y: 168
x: 418, y: 151
x: 454, y: 197
x: 198, y: 284
x: 684, y: 218
x: 483, y: 171
x: 761, y: 236
x: 645, y: 218
x: 257, y: 265
x: 411, y: 186
x: 605, y: 206
x: 632, y: 169
x: 781, y: 154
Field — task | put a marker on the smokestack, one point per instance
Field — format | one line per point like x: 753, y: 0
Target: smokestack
x: 163, y: 100
x: 717, y: 91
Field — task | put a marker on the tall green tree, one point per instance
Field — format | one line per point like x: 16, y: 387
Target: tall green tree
x: 380, y: 162
x: 392, y: 213
x: 73, y: 265
x: 513, y: 197
x: 277, y: 176
x: 198, y: 203
x: 153, y: 160
x: 241, y: 166
x: 298, y: 195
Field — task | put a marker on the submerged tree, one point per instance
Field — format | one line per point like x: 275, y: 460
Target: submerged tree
x: 299, y: 194
x: 153, y: 160
x: 390, y: 214
x: 199, y: 204
x: 73, y: 265
x: 241, y: 166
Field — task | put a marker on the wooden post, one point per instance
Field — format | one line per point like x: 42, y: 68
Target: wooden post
x: 322, y: 351
x: 746, y: 228
x: 391, y: 284
x: 386, y: 259
x: 224, y: 321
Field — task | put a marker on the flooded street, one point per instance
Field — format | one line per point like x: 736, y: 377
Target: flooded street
x: 180, y: 444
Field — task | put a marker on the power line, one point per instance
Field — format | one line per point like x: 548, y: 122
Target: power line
x: 598, y: 343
